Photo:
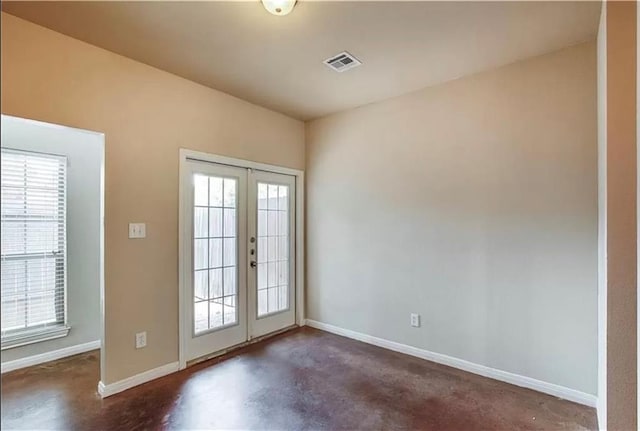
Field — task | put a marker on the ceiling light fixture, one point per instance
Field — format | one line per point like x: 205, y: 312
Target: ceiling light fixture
x: 279, y: 7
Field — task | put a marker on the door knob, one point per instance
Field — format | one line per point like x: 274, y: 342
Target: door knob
x: 253, y: 264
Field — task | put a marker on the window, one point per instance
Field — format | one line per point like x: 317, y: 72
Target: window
x: 33, y: 257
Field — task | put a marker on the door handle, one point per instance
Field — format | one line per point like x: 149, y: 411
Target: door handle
x: 253, y: 264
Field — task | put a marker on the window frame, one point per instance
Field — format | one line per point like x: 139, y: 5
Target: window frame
x: 60, y: 328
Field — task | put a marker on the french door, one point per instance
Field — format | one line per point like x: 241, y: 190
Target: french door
x: 271, y: 245
x: 239, y: 230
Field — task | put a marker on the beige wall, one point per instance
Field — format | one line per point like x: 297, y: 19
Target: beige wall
x: 621, y: 216
x: 146, y: 115
x: 473, y: 203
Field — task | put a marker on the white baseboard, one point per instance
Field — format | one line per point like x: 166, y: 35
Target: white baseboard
x: 138, y: 379
x: 49, y: 356
x: 504, y: 376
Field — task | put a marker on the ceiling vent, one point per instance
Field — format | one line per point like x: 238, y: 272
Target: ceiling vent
x: 343, y: 61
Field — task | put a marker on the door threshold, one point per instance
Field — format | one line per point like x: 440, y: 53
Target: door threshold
x: 239, y: 346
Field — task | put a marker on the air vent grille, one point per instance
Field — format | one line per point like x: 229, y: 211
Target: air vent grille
x: 343, y: 61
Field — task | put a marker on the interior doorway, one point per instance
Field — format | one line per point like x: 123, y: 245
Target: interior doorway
x: 52, y: 242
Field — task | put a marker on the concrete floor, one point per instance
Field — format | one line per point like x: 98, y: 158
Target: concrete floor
x: 303, y: 379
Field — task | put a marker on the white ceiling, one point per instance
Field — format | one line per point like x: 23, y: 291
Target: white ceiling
x: 276, y: 62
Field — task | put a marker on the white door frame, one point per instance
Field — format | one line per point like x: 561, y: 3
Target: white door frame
x: 183, y: 271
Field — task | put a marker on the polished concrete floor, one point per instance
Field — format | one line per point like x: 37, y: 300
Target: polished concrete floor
x: 303, y: 379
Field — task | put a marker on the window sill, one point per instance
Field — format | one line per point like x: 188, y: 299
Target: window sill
x: 35, y: 336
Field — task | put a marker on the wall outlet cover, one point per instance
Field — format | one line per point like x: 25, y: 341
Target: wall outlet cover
x: 141, y: 340
x: 415, y: 320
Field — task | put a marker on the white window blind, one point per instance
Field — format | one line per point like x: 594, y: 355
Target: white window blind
x: 33, y: 218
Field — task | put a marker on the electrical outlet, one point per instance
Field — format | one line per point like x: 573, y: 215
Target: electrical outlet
x: 415, y: 320
x: 141, y: 340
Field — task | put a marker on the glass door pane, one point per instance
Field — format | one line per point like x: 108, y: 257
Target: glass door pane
x: 273, y: 248
x: 214, y: 252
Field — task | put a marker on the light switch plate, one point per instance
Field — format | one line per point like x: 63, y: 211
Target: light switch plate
x: 137, y: 230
